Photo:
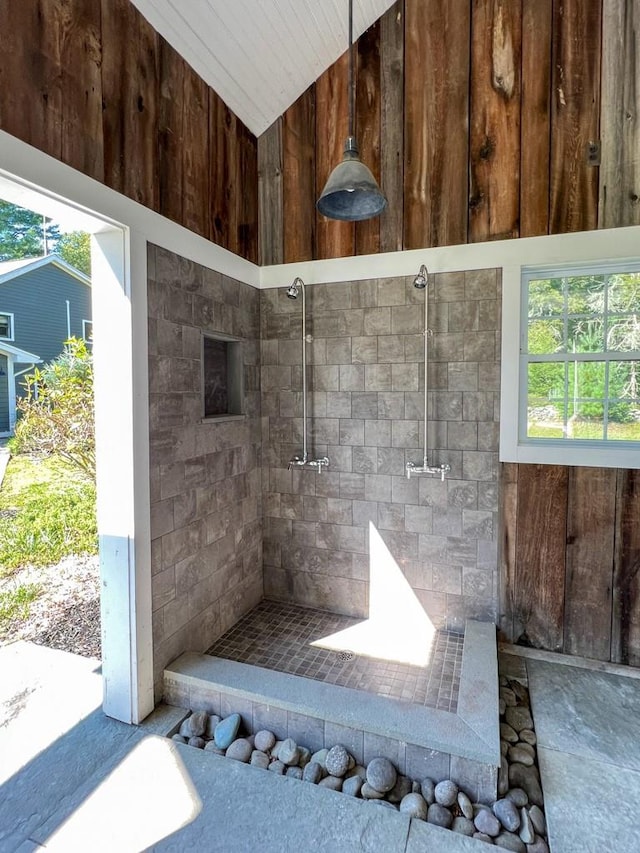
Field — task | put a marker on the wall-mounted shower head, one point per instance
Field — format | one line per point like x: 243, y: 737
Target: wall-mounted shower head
x: 294, y: 288
x: 421, y: 280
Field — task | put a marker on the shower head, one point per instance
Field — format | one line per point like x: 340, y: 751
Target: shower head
x: 294, y: 288
x: 421, y: 280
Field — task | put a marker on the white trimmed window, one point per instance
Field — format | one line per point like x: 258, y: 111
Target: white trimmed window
x: 87, y: 330
x: 580, y: 357
x: 6, y: 327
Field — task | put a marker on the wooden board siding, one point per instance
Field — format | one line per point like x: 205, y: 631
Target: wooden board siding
x: 107, y: 95
x: 171, y: 132
x: 625, y: 634
x: 367, y: 127
x: 270, y: 193
x: 299, y: 183
x: 570, y: 560
x: 195, y: 153
x: 535, y: 119
x: 334, y: 239
x: 589, y: 577
x: 30, y: 72
x: 541, y: 525
x: 494, y: 160
x: 436, y: 122
x: 246, y: 176
x: 391, y: 126
x: 620, y: 117
x: 512, y: 161
x: 222, y: 173
x: 575, y: 114
x: 81, y: 85
x: 130, y: 72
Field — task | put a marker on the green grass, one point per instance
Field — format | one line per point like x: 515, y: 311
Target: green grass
x: 584, y: 429
x: 14, y: 604
x: 47, y: 511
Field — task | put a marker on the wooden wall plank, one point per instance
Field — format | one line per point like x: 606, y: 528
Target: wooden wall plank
x: 626, y: 586
x: 540, y: 554
x: 170, y: 131
x: 589, y: 577
x: 130, y: 93
x: 535, y: 125
x: 270, y: 195
x: 30, y: 74
x: 620, y: 115
x: 494, y: 162
x: 299, y: 183
x: 334, y: 239
x: 80, y: 40
x: 392, y: 126
x: 246, y: 193
x: 222, y: 159
x: 436, y: 122
x: 508, y: 486
x: 368, y: 116
x: 195, y: 154
x: 575, y: 111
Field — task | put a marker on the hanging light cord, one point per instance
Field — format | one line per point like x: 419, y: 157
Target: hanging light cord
x: 352, y: 88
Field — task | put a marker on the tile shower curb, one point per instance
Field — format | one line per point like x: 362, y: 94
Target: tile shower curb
x: 470, y: 733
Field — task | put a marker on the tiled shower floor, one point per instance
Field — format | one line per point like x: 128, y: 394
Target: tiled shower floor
x: 278, y: 636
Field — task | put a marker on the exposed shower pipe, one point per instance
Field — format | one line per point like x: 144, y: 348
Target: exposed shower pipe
x: 296, y: 287
x: 421, y: 282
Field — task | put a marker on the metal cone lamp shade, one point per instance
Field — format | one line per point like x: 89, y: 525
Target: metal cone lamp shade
x: 351, y: 193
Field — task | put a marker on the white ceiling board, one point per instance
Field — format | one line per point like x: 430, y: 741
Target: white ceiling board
x: 259, y: 55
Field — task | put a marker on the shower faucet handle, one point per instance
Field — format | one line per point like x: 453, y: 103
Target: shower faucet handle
x: 320, y: 463
x: 297, y: 462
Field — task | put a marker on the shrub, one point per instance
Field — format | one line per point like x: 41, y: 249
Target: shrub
x: 57, y: 416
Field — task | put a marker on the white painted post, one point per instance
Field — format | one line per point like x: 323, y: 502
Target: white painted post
x: 122, y: 443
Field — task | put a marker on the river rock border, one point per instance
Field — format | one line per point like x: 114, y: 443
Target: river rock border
x: 514, y: 822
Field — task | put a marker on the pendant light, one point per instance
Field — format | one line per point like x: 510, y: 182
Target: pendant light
x: 351, y: 193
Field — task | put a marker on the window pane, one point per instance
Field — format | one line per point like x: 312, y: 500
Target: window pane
x: 5, y: 326
x: 586, y: 294
x: 546, y: 297
x: 624, y: 333
x: 545, y: 336
x: 624, y: 379
x: 586, y: 380
x: 545, y: 402
x: 585, y: 335
x: 624, y: 292
x: 624, y: 420
x: 587, y: 421
x: 545, y: 421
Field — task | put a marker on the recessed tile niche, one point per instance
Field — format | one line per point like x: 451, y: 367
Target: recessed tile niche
x: 221, y: 376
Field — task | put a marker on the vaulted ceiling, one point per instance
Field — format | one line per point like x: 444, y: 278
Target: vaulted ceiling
x: 259, y: 55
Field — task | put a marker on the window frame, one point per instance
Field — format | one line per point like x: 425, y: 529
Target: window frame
x: 86, y: 323
x: 12, y: 335
x: 535, y: 273
x: 514, y: 384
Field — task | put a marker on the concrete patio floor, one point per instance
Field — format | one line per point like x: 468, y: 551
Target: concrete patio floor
x: 72, y: 779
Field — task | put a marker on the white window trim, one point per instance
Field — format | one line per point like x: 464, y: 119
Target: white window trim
x: 532, y: 274
x: 12, y: 337
x: 514, y: 447
x: 84, y: 329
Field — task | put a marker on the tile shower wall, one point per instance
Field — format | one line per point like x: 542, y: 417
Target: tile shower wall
x: 206, y: 524
x: 365, y: 377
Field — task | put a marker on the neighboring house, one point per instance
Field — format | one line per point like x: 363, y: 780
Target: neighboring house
x: 43, y: 301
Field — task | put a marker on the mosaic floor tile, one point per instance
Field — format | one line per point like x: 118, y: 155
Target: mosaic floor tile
x: 278, y: 636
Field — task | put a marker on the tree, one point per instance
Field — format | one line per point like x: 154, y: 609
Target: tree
x: 75, y: 248
x: 22, y: 233
x: 56, y: 416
